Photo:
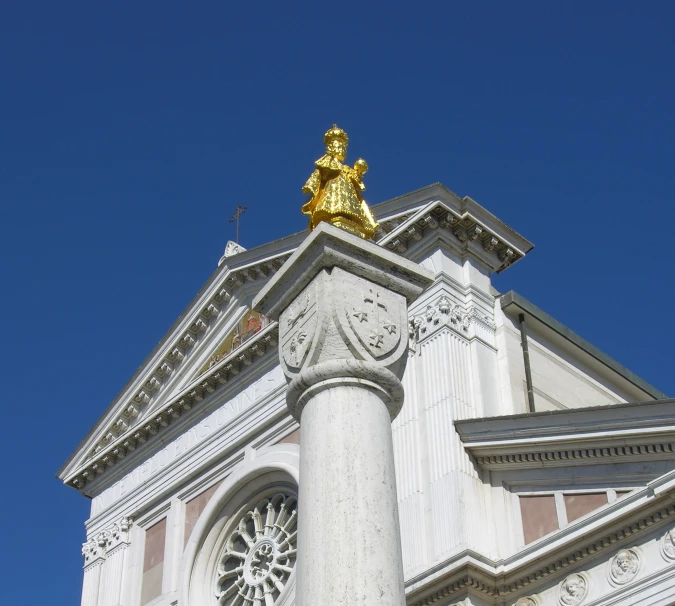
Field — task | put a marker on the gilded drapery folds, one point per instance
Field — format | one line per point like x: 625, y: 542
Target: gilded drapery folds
x: 335, y: 189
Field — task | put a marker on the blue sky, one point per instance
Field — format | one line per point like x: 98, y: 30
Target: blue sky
x: 130, y: 132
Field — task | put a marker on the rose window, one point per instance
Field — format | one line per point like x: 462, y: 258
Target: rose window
x: 259, y: 554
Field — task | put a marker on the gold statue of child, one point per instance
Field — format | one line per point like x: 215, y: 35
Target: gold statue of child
x: 336, y: 189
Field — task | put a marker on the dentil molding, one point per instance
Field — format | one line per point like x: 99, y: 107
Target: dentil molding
x: 490, y: 579
x: 178, y: 352
x: 227, y: 369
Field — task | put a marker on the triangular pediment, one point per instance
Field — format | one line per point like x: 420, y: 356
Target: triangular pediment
x: 217, y: 336
x: 201, y: 338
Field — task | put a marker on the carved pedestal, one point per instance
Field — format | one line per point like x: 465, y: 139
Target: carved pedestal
x: 342, y: 304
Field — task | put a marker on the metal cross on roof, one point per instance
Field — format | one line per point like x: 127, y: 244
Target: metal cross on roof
x: 240, y: 210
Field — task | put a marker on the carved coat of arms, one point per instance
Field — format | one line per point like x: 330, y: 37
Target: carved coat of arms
x: 376, y: 326
x: 298, y: 328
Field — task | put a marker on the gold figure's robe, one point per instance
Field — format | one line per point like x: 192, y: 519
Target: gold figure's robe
x: 336, y: 198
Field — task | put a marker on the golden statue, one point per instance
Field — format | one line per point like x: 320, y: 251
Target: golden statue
x: 336, y: 189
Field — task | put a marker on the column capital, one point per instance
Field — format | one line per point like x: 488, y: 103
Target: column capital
x: 342, y: 306
x: 98, y: 548
x: 327, y: 247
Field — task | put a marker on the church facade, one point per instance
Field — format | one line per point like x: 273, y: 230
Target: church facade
x: 531, y: 468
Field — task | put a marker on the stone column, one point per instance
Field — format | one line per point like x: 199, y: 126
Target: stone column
x: 342, y: 303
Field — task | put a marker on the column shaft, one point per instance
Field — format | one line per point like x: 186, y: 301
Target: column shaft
x: 349, y: 547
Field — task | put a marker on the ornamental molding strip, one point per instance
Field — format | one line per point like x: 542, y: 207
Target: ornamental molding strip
x: 390, y: 224
x: 622, y: 433
x: 150, y: 386
x: 499, y: 580
x: 577, y: 456
x: 106, y: 542
x: 247, y: 355
x: 468, y: 233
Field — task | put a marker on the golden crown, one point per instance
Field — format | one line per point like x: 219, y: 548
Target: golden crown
x: 335, y: 134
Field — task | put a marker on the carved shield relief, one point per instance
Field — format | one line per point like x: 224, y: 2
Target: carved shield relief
x: 297, y: 329
x: 373, y: 319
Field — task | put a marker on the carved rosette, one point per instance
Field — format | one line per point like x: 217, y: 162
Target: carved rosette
x: 527, y: 601
x: 624, y: 566
x: 259, y: 554
x: 573, y: 590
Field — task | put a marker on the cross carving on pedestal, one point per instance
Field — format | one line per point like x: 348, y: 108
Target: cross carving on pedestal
x: 376, y: 337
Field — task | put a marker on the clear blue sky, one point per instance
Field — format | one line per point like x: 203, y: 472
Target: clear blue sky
x: 130, y: 131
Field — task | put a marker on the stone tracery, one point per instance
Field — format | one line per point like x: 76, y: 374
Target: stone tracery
x: 259, y: 554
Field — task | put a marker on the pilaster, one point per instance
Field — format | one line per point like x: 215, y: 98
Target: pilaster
x: 105, y: 563
x: 94, y: 557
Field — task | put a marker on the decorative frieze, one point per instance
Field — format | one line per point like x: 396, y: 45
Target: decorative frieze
x: 573, y: 589
x: 386, y: 227
x: 561, y: 457
x: 668, y: 545
x: 465, y: 228
x: 625, y: 564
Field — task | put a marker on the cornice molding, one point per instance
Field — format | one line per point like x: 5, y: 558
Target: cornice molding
x: 152, y: 427
x: 588, y: 436
x: 469, y: 234
x: 577, y: 456
x: 534, y: 567
x: 150, y: 385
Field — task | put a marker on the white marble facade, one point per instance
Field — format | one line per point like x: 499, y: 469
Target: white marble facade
x: 193, y: 471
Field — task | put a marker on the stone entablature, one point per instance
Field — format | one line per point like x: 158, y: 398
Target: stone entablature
x: 115, y: 440
x: 614, y: 544
x: 192, y: 395
x: 620, y: 433
x: 469, y: 233
x: 231, y: 417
